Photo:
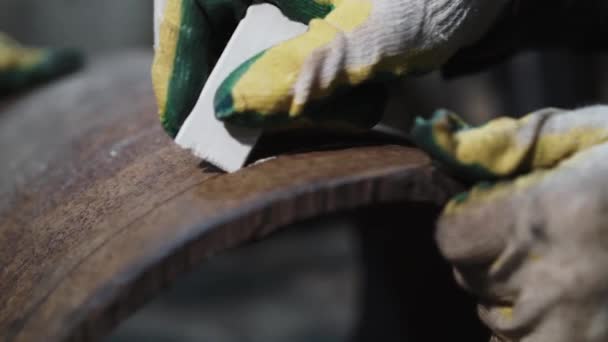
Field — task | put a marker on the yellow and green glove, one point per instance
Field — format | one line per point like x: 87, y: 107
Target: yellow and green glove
x: 532, y: 241
x: 22, y: 67
x: 319, y: 75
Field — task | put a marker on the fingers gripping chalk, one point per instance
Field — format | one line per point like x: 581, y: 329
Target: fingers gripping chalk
x: 228, y: 146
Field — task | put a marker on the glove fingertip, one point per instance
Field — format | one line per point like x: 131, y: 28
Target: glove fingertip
x: 224, y: 102
x: 437, y: 137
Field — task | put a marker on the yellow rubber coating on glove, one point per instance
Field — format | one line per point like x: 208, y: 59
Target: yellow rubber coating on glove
x: 507, y: 312
x: 492, y: 146
x: 505, y: 147
x: 552, y: 148
x: 276, y: 72
x: 164, y: 58
x: 500, y: 148
x: 13, y: 56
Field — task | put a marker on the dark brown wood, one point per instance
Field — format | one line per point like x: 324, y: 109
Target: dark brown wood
x: 99, y: 210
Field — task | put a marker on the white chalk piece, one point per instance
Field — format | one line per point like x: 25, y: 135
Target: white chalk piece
x: 224, y: 145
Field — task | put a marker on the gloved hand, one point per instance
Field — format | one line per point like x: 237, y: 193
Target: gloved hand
x: 21, y: 67
x: 532, y: 242
x: 349, y: 43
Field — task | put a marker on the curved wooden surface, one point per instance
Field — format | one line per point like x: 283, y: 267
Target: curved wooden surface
x: 99, y: 210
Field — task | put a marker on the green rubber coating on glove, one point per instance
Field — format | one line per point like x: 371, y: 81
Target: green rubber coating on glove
x: 223, y: 102
x: 302, y: 10
x: 191, y: 67
x: 424, y: 136
x: 54, y: 64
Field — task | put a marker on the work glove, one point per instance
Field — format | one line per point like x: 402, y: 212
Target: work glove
x: 349, y: 44
x: 531, y: 240
x: 22, y: 67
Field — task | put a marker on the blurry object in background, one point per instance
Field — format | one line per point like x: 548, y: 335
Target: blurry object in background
x: 296, y: 286
x: 90, y: 26
x: 22, y: 67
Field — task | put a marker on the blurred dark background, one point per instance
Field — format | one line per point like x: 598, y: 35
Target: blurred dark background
x: 93, y: 26
x: 305, y: 284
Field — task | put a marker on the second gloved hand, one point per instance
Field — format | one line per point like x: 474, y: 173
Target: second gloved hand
x: 532, y: 242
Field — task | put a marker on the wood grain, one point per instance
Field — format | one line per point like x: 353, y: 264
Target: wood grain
x: 99, y: 210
